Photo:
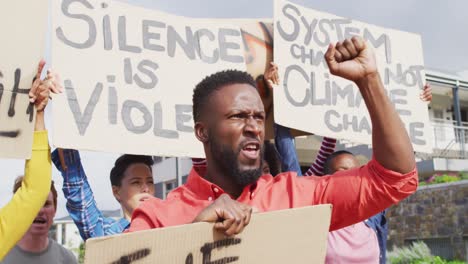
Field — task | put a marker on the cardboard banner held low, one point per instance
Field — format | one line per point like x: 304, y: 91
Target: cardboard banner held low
x: 288, y: 236
x: 310, y: 99
x: 23, y: 27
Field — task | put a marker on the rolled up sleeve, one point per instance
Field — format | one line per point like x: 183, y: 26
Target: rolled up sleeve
x: 360, y: 193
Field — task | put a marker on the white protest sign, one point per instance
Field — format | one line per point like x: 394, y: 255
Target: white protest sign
x: 129, y: 75
x: 311, y: 99
x: 23, y: 29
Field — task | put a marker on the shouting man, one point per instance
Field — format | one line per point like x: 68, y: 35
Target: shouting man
x: 229, y: 120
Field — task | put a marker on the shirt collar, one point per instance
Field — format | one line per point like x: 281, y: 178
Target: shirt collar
x: 208, y: 190
x: 201, y: 187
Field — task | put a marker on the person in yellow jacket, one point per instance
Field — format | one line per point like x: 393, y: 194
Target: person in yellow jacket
x: 17, y: 216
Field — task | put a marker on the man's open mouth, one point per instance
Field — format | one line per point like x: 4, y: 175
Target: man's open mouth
x: 251, y: 150
x: 39, y: 220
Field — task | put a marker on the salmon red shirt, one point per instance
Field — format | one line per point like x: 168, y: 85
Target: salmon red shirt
x: 355, y: 194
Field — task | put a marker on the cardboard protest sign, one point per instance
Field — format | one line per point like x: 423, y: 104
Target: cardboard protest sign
x: 288, y: 236
x: 23, y: 27
x: 311, y: 99
x: 129, y: 75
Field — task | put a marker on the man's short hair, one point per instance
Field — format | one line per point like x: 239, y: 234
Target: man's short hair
x: 215, y: 82
x: 326, y: 166
x: 123, y: 162
x: 19, y: 182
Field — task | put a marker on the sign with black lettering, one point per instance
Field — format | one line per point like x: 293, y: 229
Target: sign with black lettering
x: 129, y: 75
x: 311, y: 99
x: 296, y: 236
x: 23, y: 29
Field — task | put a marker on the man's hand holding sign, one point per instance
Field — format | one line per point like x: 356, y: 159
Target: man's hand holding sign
x: 230, y: 215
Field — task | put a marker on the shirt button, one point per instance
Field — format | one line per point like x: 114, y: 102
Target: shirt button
x: 216, y: 190
x: 210, y: 198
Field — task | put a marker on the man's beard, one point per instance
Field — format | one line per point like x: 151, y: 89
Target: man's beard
x: 228, y: 162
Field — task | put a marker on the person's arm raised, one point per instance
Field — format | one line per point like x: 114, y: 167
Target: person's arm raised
x: 16, y: 217
x: 355, y: 61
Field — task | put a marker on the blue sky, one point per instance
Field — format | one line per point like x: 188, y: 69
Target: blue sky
x: 442, y: 24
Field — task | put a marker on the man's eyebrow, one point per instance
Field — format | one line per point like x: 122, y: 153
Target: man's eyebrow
x: 246, y: 110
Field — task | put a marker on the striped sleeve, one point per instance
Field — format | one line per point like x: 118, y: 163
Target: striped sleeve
x: 326, y: 149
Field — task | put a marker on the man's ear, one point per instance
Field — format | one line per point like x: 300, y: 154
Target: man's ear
x: 116, y: 192
x: 201, y: 132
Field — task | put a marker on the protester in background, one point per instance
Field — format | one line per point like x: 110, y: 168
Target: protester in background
x: 36, y: 246
x: 16, y: 217
x: 364, y: 242
x: 132, y: 183
x: 231, y: 128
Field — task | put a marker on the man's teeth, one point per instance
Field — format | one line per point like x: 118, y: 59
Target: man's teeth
x: 250, y: 147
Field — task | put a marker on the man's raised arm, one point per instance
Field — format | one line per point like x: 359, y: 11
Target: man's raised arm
x: 355, y: 61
